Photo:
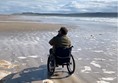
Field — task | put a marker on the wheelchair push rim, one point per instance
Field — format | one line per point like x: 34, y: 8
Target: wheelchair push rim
x: 71, y: 65
x: 51, y: 65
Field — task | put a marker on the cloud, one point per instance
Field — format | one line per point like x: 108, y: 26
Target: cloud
x: 16, y: 6
x: 92, y: 6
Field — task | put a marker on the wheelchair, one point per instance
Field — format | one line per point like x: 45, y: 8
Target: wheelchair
x: 61, y: 57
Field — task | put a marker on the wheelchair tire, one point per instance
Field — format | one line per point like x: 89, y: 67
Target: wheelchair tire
x: 51, y: 64
x: 71, y: 64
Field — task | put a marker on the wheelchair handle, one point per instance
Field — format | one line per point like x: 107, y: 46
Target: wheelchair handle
x: 71, y: 46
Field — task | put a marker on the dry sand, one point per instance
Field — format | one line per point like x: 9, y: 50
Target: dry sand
x: 24, y: 26
x: 7, y: 23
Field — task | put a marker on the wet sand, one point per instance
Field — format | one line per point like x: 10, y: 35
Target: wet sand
x: 24, y: 49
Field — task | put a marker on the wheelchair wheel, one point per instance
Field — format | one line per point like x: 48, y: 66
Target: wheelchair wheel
x: 51, y: 64
x: 71, y: 65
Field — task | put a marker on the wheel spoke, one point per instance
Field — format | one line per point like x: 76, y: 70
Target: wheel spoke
x: 71, y: 65
x: 51, y: 64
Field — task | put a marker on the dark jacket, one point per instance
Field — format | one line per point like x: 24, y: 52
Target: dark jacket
x: 60, y: 41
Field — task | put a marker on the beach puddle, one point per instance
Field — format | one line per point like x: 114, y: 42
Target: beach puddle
x: 94, y: 63
x: 22, y: 57
x: 108, y: 72
x: 86, y: 69
x: 102, y: 82
x: 109, y: 78
x: 33, y: 56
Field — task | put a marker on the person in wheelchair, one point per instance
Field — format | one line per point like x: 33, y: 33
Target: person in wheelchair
x: 60, y: 54
x: 60, y: 41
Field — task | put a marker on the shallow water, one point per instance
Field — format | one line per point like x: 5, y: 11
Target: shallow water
x: 67, y: 20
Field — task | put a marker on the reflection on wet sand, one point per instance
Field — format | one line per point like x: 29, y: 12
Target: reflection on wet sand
x: 4, y: 66
x: 4, y: 73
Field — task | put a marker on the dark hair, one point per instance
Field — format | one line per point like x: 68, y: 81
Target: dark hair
x: 63, y: 30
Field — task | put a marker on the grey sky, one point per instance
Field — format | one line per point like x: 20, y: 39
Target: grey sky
x: 17, y: 6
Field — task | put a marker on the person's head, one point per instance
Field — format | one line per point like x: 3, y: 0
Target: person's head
x: 63, y: 31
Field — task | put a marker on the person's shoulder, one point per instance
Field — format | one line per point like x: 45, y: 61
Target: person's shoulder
x: 65, y: 36
x: 57, y: 36
x: 54, y: 37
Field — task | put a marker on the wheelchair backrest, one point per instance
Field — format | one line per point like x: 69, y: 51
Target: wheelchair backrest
x: 63, y: 52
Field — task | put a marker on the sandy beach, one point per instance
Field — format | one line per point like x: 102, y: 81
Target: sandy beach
x: 7, y: 23
x: 24, y: 51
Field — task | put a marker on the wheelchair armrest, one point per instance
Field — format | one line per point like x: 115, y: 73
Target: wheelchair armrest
x: 71, y: 46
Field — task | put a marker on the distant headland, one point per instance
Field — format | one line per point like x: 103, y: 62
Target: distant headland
x: 96, y: 14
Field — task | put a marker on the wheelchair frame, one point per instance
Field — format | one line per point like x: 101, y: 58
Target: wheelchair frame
x: 52, y: 63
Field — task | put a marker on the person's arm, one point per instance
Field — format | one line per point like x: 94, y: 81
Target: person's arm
x: 69, y: 42
x: 51, y: 42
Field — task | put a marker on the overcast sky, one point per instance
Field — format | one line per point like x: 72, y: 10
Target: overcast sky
x: 63, y: 6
